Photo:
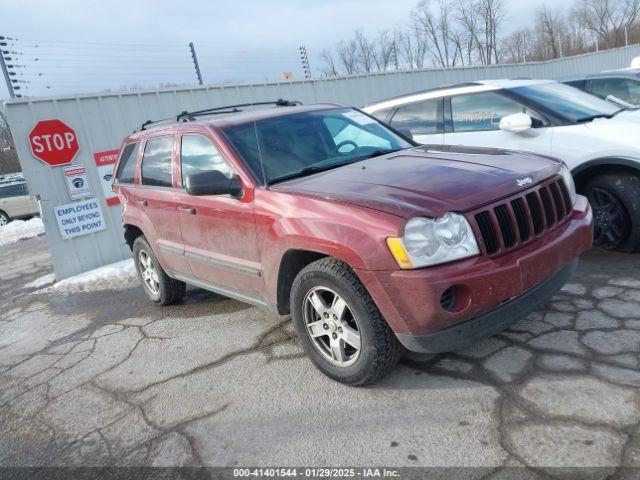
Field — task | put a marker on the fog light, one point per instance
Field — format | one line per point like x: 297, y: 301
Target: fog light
x: 448, y: 299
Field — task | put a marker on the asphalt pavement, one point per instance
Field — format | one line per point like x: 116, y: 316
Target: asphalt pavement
x: 104, y: 378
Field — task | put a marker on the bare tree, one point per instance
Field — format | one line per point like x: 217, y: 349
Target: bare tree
x: 330, y: 69
x: 348, y: 56
x: 608, y: 19
x: 410, y: 46
x: 467, y: 32
x: 5, y: 134
x: 550, y: 25
x: 434, y: 23
x: 364, y: 52
x: 481, y: 21
x: 383, y: 51
x: 468, y: 14
x: 494, y: 14
x: 516, y: 47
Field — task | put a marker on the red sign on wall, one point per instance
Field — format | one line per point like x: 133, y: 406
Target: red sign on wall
x: 53, y: 142
x: 106, y: 161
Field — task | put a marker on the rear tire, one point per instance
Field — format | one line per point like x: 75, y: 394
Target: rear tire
x: 159, y: 287
x: 615, y: 200
x: 339, y: 326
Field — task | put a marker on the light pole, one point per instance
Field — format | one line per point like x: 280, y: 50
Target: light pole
x: 3, y: 66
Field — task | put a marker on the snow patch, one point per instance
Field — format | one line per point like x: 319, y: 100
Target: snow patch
x: 110, y: 277
x: 20, y: 230
x: 45, y: 280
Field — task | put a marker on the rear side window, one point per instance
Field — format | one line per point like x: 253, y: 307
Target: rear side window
x: 419, y: 118
x: 15, y: 190
x: 199, y: 154
x: 483, y: 111
x: 127, y: 164
x: 156, y: 162
x: 623, y: 88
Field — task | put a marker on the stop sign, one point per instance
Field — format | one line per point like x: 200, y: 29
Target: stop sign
x: 53, y: 142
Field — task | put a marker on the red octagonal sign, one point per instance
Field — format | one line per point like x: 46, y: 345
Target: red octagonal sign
x: 53, y: 142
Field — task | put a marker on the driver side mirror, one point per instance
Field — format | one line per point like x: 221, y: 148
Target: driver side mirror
x: 212, y: 183
x: 515, y: 123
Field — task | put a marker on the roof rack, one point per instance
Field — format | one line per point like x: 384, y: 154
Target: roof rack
x: 190, y: 116
x: 153, y: 122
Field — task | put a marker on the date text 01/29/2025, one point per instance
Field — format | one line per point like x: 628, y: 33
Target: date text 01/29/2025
x: 315, y: 473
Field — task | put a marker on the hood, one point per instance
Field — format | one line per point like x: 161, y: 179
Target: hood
x: 625, y: 116
x: 619, y: 130
x: 427, y: 180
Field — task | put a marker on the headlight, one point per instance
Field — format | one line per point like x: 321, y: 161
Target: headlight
x: 428, y: 241
x: 568, y: 181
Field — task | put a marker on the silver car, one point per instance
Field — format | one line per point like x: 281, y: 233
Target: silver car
x: 15, y: 202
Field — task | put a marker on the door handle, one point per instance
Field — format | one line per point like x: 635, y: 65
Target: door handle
x: 142, y: 203
x: 186, y: 210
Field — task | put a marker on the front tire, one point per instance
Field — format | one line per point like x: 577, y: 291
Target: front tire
x: 4, y: 219
x: 339, y: 326
x: 615, y: 200
x: 159, y: 287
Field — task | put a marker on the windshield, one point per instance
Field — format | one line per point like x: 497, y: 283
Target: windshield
x: 300, y: 144
x: 568, y: 102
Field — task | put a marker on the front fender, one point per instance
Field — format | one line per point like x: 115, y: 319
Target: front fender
x: 355, y: 235
x: 620, y: 161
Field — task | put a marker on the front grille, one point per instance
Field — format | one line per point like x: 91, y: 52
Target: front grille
x: 518, y: 220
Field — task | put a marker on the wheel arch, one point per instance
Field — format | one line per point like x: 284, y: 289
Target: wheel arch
x: 584, y: 172
x: 131, y: 232
x: 292, y: 262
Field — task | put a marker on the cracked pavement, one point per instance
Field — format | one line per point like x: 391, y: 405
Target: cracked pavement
x: 107, y: 379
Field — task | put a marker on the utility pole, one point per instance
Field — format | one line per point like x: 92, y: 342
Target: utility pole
x: 3, y: 65
x: 626, y: 37
x: 305, y: 62
x: 395, y: 54
x: 195, y: 62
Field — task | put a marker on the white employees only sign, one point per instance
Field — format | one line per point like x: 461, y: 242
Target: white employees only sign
x: 79, y: 218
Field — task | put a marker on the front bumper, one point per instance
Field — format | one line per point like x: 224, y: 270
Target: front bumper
x: 410, y: 300
x: 466, y: 333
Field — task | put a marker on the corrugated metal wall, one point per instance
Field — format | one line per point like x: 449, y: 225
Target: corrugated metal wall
x: 102, y: 120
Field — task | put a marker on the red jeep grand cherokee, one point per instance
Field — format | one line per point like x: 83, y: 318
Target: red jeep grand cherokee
x: 368, y: 240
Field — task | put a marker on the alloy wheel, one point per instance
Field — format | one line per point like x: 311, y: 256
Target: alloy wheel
x: 149, y: 273
x: 611, y: 221
x: 3, y: 221
x: 332, y: 327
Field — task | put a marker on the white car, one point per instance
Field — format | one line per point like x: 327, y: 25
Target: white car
x: 599, y: 141
x: 15, y: 202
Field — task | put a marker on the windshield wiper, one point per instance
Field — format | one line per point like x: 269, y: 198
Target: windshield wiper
x: 378, y: 153
x: 310, y: 170
x: 593, y: 117
x: 316, y: 168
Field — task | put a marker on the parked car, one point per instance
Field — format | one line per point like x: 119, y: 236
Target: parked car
x: 368, y: 240
x: 16, y: 203
x: 597, y: 139
x: 623, y: 84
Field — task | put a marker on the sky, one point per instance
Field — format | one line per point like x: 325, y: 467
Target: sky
x: 251, y: 40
